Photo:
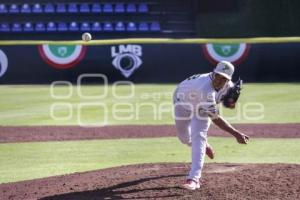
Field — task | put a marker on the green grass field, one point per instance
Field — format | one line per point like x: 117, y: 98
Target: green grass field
x: 31, y: 105
x: 41, y: 159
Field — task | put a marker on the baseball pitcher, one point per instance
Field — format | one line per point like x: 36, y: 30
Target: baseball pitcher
x: 196, y: 102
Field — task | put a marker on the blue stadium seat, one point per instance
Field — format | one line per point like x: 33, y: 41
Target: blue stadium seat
x: 37, y: 8
x: 61, y: 8
x: 84, y: 8
x: 51, y: 27
x: 62, y: 26
x: 96, y: 8
x: 155, y: 26
x: 25, y: 8
x: 4, y: 27
x: 3, y: 8
x: 28, y: 27
x: 143, y: 26
x: 96, y: 26
x: 40, y: 27
x: 73, y: 26
x: 49, y: 8
x: 119, y: 8
x: 131, y: 8
x: 16, y: 27
x: 131, y: 26
x: 108, y: 8
x: 14, y: 8
x: 85, y: 26
x: 108, y: 26
x: 143, y: 8
x: 72, y: 8
x: 120, y: 26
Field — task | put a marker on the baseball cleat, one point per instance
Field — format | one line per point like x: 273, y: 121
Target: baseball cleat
x: 191, y: 185
x: 209, y: 151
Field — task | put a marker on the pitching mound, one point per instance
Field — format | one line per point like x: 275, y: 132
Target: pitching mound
x: 162, y: 181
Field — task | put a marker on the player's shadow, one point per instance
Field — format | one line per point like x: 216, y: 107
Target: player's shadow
x: 116, y: 191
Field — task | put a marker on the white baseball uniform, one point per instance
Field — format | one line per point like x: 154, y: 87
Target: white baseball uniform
x: 195, y: 103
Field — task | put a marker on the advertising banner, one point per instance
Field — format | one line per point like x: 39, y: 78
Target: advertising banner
x: 147, y: 63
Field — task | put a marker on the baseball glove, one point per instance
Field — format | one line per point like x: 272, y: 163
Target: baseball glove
x: 233, y: 94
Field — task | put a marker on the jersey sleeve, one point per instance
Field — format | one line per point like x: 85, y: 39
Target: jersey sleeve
x: 209, y: 108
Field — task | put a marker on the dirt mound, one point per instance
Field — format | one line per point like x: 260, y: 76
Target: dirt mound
x: 162, y: 181
x: 58, y: 133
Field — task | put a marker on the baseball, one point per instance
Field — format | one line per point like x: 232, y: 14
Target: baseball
x: 86, y: 37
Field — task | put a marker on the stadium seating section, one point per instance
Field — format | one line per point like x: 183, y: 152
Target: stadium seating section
x: 101, y: 17
x: 13, y: 8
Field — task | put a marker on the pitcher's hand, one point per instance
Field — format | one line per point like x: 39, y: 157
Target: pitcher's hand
x: 242, y: 138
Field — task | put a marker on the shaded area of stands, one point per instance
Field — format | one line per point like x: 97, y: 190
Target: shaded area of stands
x: 128, y: 18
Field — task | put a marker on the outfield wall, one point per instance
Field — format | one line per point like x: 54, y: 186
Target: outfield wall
x: 146, y: 63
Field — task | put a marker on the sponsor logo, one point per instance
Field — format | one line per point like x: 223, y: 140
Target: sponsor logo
x: 234, y: 53
x: 127, y: 58
x: 3, y: 63
x: 62, y: 56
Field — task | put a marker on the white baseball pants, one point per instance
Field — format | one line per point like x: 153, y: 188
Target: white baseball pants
x: 192, y: 131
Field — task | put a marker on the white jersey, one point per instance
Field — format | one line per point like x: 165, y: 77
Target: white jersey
x: 197, y: 92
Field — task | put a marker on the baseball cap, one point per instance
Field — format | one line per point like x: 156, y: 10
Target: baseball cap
x: 225, y: 68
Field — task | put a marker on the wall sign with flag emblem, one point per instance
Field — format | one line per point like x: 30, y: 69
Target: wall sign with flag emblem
x: 234, y: 53
x: 3, y: 63
x: 62, y: 56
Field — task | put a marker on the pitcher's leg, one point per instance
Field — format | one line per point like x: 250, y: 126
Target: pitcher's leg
x: 210, y: 151
x: 198, y: 156
x: 199, y: 130
x: 182, y: 123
